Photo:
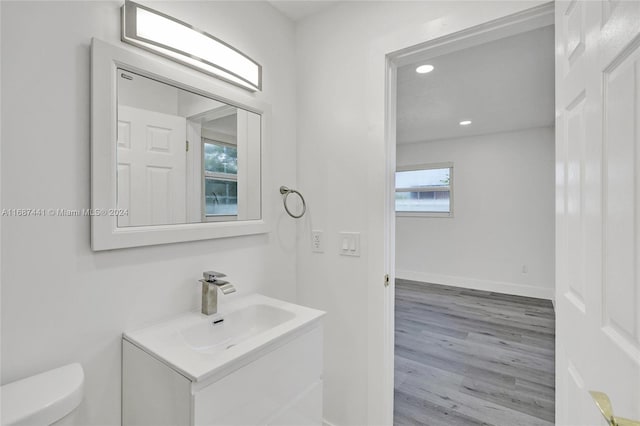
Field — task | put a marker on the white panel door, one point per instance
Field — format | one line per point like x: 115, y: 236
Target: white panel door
x: 151, y: 167
x: 598, y: 208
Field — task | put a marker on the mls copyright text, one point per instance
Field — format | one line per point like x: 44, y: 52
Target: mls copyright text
x: 64, y: 212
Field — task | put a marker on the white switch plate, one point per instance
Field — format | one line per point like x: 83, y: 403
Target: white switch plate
x: 349, y: 243
x: 317, y: 241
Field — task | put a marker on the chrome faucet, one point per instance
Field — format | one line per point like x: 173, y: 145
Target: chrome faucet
x: 210, y: 285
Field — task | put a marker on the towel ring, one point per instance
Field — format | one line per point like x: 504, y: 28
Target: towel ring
x: 286, y: 192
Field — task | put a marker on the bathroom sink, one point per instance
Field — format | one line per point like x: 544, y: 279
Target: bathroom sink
x: 222, y: 333
x: 201, y: 346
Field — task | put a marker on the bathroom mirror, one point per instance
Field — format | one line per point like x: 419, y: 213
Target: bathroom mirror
x: 183, y: 157
x: 176, y: 155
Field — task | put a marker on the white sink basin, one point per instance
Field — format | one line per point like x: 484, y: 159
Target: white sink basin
x: 236, y: 327
x: 199, y: 348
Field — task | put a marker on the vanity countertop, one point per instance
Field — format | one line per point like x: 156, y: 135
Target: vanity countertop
x: 200, y: 347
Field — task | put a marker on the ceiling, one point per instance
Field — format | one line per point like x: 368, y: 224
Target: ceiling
x: 300, y: 9
x: 503, y: 85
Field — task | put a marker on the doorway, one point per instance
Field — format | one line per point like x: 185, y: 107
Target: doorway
x: 475, y: 227
x: 597, y: 110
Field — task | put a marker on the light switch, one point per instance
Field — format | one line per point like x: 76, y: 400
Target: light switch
x: 350, y: 243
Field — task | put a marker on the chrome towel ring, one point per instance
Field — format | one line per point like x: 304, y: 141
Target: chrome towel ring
x: 286, y: 192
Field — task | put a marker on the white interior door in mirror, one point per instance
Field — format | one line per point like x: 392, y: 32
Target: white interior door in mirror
x: 179, y: 151
x: 151, y: 167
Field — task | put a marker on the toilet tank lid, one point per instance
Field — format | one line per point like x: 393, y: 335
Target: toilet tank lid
x: 44, y: 398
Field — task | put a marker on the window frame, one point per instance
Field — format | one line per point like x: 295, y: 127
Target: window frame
x: 429, y: 166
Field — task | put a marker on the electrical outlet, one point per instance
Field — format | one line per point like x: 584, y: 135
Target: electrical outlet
x: 317, y: 242
x: 525, y: 269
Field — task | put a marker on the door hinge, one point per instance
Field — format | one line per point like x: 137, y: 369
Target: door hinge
x: 187, y: 146
x: 386, y: 280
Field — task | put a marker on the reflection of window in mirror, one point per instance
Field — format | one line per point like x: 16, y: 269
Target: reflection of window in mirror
x: 220, y: 178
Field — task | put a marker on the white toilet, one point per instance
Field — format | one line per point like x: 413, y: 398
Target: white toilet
x: 49, y: 398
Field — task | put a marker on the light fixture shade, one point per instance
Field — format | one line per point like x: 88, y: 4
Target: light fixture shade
x: 179, y: 41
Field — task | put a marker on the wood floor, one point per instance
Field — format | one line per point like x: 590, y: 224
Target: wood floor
x: 468, y: 357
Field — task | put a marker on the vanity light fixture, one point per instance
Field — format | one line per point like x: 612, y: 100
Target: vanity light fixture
x: 166, y: 36
x: 424, y: 69
x: 465, y: 122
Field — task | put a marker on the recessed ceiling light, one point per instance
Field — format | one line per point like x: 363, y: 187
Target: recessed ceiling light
x: 423, y: 69
x: 465, y: 122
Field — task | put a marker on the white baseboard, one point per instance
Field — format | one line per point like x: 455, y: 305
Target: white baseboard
x: 475, y: 284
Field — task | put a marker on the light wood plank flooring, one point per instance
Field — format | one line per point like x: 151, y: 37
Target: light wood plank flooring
x: 469, y: 357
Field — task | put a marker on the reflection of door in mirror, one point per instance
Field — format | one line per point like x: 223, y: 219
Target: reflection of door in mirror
x: 151, y: 175
x: 183, y: 157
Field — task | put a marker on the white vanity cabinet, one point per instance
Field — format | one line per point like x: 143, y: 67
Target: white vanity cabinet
x: 277, y: 381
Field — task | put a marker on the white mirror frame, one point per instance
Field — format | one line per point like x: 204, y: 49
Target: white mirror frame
x: 105, y: 233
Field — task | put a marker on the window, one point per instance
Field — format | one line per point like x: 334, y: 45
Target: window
x: 425, y: 190
x: 220, y: 179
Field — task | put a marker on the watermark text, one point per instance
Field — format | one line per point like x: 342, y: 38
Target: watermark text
x: 23, y: 212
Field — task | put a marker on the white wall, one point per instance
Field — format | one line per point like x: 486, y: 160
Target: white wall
x: 146, y: 93
x: 504, y: 196
x: 342, y: 173
x: 61, y: 302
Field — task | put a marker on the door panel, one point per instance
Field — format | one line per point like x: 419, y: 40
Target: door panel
x: 151, y: 167
x: 620, y: 281
x: 575, y: 134
x: 598, y: 196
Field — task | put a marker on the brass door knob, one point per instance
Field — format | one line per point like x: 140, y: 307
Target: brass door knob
x: 604, y: 404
